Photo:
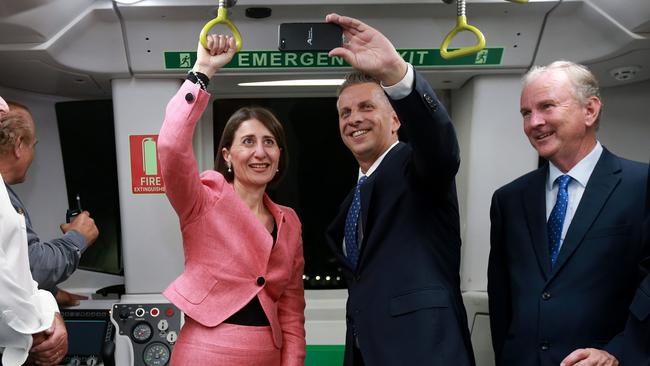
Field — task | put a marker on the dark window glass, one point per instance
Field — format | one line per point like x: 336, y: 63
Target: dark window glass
x: 321, y: 173
x: 88, y: 148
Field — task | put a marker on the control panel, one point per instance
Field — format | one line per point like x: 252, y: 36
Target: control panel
x: 146, y: 332
x: 90, y: 337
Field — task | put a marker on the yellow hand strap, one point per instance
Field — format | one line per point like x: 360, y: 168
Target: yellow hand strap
x: 222, y: 18
x: 461, y: 25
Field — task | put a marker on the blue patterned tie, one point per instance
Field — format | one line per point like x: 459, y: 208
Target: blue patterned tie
x: 556, y: 220
x: 351, y: 224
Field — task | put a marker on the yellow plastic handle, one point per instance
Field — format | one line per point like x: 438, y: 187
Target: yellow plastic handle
x: 222, y: 18
x: 461, y: 25
x: 518, y: 1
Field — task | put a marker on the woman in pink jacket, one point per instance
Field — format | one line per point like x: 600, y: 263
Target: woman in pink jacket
x: 241, y: 291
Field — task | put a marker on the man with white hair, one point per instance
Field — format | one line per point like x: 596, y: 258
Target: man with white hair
x: 30, y: 323
x: 565, y: 238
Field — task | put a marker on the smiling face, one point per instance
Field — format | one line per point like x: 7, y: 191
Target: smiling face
x: 254, y: 154
x: 367, y: 122
x: 558, y: 125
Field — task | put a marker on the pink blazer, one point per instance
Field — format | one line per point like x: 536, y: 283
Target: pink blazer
x: 229, y: 254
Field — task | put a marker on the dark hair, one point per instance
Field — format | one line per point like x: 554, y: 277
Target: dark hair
x: 354, y: 78
x: 14, y: 124
x: 268, y: 119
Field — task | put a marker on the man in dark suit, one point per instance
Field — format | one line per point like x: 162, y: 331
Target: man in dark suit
x: 398, y: 237
x: 565, y: 238
x: 636, y: 349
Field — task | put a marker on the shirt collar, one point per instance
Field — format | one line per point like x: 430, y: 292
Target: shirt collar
x: 580, y: 172
x: 375, y: 165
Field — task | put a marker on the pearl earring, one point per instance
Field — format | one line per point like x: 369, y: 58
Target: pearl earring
x: 229, y: 168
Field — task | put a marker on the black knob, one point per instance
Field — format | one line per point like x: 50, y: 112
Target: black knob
x: 261, y: 281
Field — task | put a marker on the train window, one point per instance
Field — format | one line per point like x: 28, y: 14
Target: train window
x: 88, y: 149
x: 321, y: 173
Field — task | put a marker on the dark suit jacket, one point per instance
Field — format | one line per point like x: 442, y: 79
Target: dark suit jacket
x: 539, y: 315
x: 636, y: 350
x: 404, y: 299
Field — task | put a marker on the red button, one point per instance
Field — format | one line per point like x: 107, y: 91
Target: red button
x: 155, y: 312
x: 169, y: 312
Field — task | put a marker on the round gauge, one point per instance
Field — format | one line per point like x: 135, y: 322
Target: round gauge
x: 156, y: 354
x: 141, y: 332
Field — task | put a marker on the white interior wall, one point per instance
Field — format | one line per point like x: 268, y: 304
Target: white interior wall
x: 151, y: 240
x: 494, y: 151
x: 44, y: 190
x: 625, y: 123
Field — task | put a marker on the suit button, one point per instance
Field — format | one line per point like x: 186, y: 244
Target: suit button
x: 430, y: 102
x: 357, y: 278
x: 546, y: 296
x: 545, y: 346
x: 189, y: 97
x: 261, y: 281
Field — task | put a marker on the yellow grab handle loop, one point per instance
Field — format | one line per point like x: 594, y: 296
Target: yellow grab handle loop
x: 518, y: 1
x: 461, y: 25
x: 222, y: 18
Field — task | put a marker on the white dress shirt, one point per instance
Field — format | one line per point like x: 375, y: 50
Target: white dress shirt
x: 24, y: 309
x: 580, y: 175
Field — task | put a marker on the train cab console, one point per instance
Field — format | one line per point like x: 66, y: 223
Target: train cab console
x: 147, y: 327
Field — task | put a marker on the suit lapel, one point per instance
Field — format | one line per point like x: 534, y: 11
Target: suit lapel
x: 366, y: 201
x: 535, y: 207
x: 375, y: 179
x: 335, y: 230
x: 366, y: 194
x: 602, y: 182
x: 276, y: 212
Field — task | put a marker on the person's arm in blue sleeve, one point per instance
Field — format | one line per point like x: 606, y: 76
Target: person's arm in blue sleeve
x: 52, y: 262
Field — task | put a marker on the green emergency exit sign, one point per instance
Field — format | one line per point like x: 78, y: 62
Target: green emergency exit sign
x: 291, y: 60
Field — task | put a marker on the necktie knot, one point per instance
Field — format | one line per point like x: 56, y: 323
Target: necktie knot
x: 563, y: 181
x: 361, y: 180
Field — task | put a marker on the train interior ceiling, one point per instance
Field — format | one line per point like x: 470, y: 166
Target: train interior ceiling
x: 95, y: 73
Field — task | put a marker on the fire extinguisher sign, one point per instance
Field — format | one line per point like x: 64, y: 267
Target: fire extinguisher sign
x: 145, y: 167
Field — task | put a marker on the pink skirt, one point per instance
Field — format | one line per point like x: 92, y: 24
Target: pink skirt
x: 225, y: 344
